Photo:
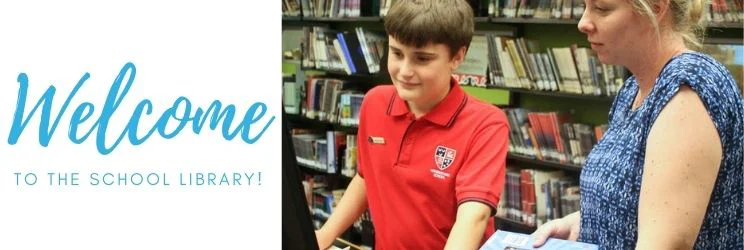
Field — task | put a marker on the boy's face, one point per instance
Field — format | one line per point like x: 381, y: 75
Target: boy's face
x: 421, y: 75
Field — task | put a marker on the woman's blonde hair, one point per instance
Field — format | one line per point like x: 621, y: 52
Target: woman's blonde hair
x: 687, y: 18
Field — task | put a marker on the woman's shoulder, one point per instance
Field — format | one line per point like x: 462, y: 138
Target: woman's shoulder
x: 697, y: 66
x: 705, y: 78
x: 702, y: 73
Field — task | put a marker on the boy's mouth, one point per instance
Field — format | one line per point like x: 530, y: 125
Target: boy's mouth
x: 408, y: 84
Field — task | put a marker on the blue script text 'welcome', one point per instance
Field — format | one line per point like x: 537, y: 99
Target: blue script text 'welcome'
x: 215, y: 114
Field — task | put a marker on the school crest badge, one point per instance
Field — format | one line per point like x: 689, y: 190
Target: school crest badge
x: 444, y: 156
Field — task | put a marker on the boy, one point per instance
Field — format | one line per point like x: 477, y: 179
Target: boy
x: 431, y: 158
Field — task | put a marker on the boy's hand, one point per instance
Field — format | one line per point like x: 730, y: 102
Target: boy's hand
x: 566, y: 228
x: 324, y: 240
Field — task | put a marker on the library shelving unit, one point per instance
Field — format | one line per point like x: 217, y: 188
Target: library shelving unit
x: 555, y: 94
x: 543, y: 164
x: 551, y: 32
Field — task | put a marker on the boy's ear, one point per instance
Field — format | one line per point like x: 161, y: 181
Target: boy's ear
x: 459, y: 57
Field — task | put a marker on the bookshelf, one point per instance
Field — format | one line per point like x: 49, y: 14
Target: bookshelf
x: 531, y: 20
x: 726, y: 25
x: 341, y: 73
x: 298, y: 119
x: 343, y: 19
x: 291, y: 18
x: 298, y: 20
x: 315, y: 168
x: 556, y: 94
x: 310, y: 166
x: 551, y: 33
x: 303, y: 21
x: 514, y: 225
x: 544, y: 164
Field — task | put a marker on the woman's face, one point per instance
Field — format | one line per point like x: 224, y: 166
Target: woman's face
x: 615, y: 31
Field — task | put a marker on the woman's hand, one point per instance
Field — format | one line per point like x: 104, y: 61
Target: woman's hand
x: 566, y: 228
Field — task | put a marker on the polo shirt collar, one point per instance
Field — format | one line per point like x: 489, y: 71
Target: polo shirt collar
x: 443, y: 114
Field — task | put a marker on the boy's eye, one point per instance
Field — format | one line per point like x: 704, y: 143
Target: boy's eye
x: 398, y: 54
x: 423, y: 59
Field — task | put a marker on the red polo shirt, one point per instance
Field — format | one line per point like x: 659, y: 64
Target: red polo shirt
x: 417, y: 171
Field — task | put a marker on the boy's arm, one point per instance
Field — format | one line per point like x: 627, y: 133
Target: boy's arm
x: 348, y: 210
x: 683, y: 156
x: 479, y: 183
x: 467, y: 233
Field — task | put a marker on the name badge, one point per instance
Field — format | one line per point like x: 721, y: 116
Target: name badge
x: 376, y: 140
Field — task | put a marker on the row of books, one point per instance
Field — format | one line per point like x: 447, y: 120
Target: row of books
x: 551, y: 136
x: 350, y: 157
x: 504, y: 61
x: 321, y: 197
x: 340, y: 8
x: 352, y: 52
x: 720, y: 11
x: 331, y: 8
x: 535, y: 197
x: 325, y: 99
x: 325, y: 201
x: 548, y: 66
x: 542, y: 9
x: 322, y: 200
x: 716, y: 11
x: 530, y: 196
x: 566, y: 9
x: 520, y: 63
x: 330, y: 153
x: 292, y: 92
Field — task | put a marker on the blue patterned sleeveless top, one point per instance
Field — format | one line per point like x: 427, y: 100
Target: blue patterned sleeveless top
x: 610, y: 181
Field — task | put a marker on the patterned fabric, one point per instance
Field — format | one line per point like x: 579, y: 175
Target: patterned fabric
x: 611, y: 178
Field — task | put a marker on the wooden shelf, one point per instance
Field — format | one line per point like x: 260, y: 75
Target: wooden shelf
x: 343, y: 19
x: 481, y: 19
x: 305, y: 120
x: 476, y: 19
x: 540, y: 163
x: 716, y: 40
x: 340, y: 73
x: 369, y: 19
x: 311, y: 167
x: 557, y: 94
x: 291, y: 18
x: 726, y: 25
x: 291, y: 61
x: 514, y: 224
x: 532, y: 20
x: 508, y: 20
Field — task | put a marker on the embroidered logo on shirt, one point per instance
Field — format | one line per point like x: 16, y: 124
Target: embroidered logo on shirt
x: 444, y: 156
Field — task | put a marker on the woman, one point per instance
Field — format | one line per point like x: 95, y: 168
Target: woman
x: 668, y: 172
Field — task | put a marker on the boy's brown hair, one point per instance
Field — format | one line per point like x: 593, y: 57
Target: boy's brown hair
x: 420, y: 22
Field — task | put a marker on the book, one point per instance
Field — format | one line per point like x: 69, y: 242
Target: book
x: 504, y: 240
